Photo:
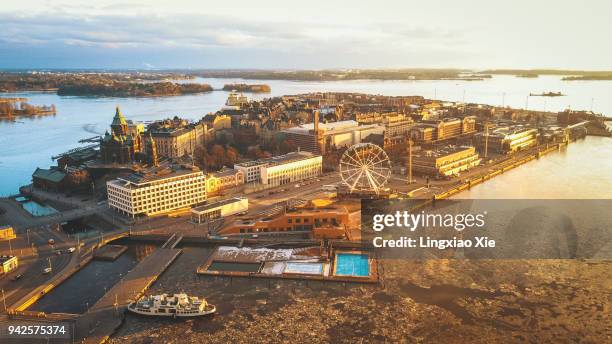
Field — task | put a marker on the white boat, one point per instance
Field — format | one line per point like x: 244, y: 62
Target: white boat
x: 235, y: 101
x: 177, y: 305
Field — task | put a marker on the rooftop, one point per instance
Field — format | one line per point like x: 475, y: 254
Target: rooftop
x: 331, y: 127
x: 206, y: 207
x: 158, y: 173
x: 279, y: 160
x: 52, y: 175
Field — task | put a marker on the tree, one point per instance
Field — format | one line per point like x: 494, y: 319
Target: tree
x: 288, y: 146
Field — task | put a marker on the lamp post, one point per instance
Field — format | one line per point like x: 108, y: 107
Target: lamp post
x: 410, y: 161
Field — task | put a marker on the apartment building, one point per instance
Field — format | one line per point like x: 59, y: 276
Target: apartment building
x: 176, y: 138
x: 157, y: 191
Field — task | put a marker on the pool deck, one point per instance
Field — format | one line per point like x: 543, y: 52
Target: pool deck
x: 328, y: 265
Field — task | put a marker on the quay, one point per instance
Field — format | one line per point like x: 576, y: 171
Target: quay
x: 106, y: 315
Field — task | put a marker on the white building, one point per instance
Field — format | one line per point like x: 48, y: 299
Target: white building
x: 156, y: 192
x: 251, y: 170
x: 217, y: 210
x: 283, y: 169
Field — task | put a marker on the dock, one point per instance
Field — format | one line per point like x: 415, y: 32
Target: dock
x: 106, y: 315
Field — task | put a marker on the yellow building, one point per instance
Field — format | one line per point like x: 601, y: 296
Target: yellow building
x: 445, y: 162
x: 157, y: 191
x: 7, y: 233
x: 176, y: 138
x: 8, y: 264
x: 226, y: 178
x: 506, y: 140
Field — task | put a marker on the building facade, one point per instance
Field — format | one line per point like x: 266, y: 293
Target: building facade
x: 218, y: 210
x: 506, y: 140
x: 158, y: 191
x: 283, y: 169
x: 224, y: 179
x: 176, y: 138
x: 8, y: 264
x: 321, y: 223
x: 444, y: 129
x: 123, y: 142
x: 320, y: 137
x: 445, y: 162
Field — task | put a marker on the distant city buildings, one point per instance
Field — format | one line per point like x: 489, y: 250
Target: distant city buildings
x: 157, y: 190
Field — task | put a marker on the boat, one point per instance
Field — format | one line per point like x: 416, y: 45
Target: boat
x: 235, y: 100
x: 547, y: 94
x: 177, y: 305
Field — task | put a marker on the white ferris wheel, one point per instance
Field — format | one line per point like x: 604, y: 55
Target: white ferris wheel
x: 365, y: 167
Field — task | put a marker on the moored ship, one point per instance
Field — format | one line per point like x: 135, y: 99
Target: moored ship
x: 177, y: 305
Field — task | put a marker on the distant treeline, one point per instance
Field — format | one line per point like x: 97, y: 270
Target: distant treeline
x: 247, y: 87
x: 569, y: 74
x: 52, y: 81
x: 131, y: 89
x: 334, y: 75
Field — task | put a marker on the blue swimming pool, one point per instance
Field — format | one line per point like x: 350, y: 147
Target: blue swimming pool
x: 352, y: 264
x: 37, y: 209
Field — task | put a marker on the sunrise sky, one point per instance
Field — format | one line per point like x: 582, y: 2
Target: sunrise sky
x: 305, y: 34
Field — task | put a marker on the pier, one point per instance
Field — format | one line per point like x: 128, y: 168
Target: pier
x: 107, y: 314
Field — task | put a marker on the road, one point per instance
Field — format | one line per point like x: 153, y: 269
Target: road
x: 32, y: 266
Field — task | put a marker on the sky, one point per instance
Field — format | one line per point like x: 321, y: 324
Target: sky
x: 313, y: 34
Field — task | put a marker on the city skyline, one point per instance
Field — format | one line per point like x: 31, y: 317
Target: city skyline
x: 271, y: 35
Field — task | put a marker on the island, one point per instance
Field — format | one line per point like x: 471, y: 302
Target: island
x: 14, y: 107
x: 131, y: 89
x: 254, y: 88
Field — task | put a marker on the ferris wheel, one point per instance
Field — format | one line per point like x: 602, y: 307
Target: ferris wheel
x: 365, y: 167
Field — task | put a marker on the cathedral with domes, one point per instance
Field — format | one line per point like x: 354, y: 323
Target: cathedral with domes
x: 124, y: 141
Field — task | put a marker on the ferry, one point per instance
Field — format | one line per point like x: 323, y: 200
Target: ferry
x: 177, y: 305
x: 235, y: 100
x: 547, y: 94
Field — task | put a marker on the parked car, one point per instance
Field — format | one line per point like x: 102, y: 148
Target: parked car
x: 17, y: 277
x: 72, y: 249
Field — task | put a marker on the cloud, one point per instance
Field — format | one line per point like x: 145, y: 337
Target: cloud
x: 206, y: 34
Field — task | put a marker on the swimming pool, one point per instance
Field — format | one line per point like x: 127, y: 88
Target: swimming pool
x: 352, y: 264
x: 37, y: 209
x: 304, y: 268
